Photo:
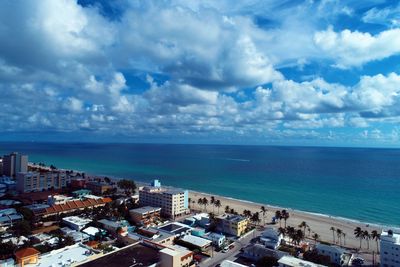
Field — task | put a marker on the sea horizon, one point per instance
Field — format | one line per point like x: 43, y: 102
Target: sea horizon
x: 317, y: 180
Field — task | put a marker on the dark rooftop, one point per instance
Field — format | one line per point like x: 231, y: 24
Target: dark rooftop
x: 137, y: 255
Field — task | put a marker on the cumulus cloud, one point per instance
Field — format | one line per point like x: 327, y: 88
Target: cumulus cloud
x: 353, y: 48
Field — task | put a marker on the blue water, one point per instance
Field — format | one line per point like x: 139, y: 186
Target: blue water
x: 356, y: 183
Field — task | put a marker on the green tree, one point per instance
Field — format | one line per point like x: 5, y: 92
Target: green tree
x: 26, y: 213
x: 107, y: 180
x: 367, y: 237
x: 22, y: 228
x: 278, y: 216
x: 128, y: 186
x: 285, y: 215
x: 255, y: 218
x: 205, y: 203
x: 200, y: 202
x: 315, y: 236
x: 212, y: 201
x: 227, y: 209
x: 339, y: 236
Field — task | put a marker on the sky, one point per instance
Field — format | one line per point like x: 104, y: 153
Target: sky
x: 181, y: 71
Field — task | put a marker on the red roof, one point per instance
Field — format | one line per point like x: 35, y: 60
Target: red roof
x: 77, y: 204
x: 26, y: 252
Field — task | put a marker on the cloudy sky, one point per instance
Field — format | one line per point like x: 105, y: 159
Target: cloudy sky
x: 242, y: 72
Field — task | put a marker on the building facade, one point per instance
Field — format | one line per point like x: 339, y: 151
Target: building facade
x: 390, y: 248
x: 173, y: 202
x: 145, y: 215
x: 232, y: 224
x: 39, y: 181
x: 14, y: 163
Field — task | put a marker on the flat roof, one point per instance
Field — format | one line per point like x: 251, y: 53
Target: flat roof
x: 76, y: 220
x: 134, y: 255
x: 64, y: 257
x: 175, y: 228
x: 295, y: 262
x: 197, y: 241
x: 227, y: 263
x: 145, y: 209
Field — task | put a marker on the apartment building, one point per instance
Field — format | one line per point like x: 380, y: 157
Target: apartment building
x: 14, y: 163
x: 390, y: 248
x: 173, y: 202
x: 39, y: 181
x: 232, y: 224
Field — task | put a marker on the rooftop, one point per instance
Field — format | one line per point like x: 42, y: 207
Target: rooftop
x: 145, y: 209
x: 394, y: 238
x: 175, y: 228
x: 64, y: 257
x: 231, y: 217
x: 26, y: 252
x: 227, y: 263
x: 295, y: 262
x: 76, y: 220
x: 197, y: 241
x: 134, y: 255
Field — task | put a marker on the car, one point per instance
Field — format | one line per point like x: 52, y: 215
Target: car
x: 231, y: 246
x: 225, y: 250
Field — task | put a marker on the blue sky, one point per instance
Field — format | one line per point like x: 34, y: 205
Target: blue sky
x: 244, y: 72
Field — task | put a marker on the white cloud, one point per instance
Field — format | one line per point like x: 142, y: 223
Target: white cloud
x: 353, y: 48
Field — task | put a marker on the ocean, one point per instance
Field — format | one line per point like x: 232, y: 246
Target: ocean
x: 356, y: 183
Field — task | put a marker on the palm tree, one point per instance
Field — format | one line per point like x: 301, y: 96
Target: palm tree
x: 227, y: 209
x: 263, y: 210
x: 200, y: 202
x: 333, y: 233
x: 359, y: 234
x: 339, y: 236
x: 285, y: 215
x: 303, y: 225
x: 375, y: 236
x: 247, y: 213
x: 217, y: 204
x: 344, y: 238
x: 308, y: 230
x: 367, y: 237
x: 315, y: 236
x: 189, y: 201
x: 282, y: 231
x: 255, y: 218
x: 278, y: 216
x: 212, y: 201
x: 205, y: 203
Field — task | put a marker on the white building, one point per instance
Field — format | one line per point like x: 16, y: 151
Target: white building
x: 289, y: 261
x: 227, y: 263
x: 44, y: 180
x: 271, y: 238
x: 173, y: 202
x: 175, y: 256
x: 337, y: 255
x: 218, y: 240
x: 390, y: 248
x: 75, y: 222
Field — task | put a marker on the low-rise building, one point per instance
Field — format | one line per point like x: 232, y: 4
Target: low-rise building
x: 58, y: 199
x: 336, y: 254
x: 145, y: 215
x: 201, y: 220
x: 218, y: 240
x: 8, y: 217
x: 232, y: 224
x: 195, y: 242
x: 176, y: 257
x: 152, y: 236
x: 81, y: 193
x: 93, y: 231
x: 256, y: 252
x: 227, y: 263
x: 173, y: 202
x: 98, y: 188
x: 114, y: 226
x: 176, y: 228
x: 26, y: 256
x: 75, y: 222
x: 74, y: 205
x: 390, y: 248
x: 77, y: 236
x: 271, y: 238
x: 289, y: 261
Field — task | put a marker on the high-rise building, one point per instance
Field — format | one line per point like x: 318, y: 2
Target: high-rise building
x: 390, y: 249
x: 173, y: 202
x: 14, y: 163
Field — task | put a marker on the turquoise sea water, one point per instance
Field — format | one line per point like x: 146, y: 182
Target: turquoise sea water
x: 355, y: 183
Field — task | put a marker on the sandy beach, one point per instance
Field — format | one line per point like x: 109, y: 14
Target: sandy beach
x: 319, y: 224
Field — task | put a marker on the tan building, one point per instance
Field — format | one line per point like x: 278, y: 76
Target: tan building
x: 26, y: 256
x: 98, y: 188
x: 232, y: 224
x: 173, y: 202
x: 14, y: 163
x: 176, y: 257
x: 145, y: 215
x: 39, y: 181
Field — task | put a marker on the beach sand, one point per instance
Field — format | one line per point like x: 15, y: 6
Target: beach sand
x: 319, y: 224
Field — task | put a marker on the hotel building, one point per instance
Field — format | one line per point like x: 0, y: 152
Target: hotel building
x: 173, y: 202
x: 39, y: 181
x: 232, y: 224
x: 390, y: 248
